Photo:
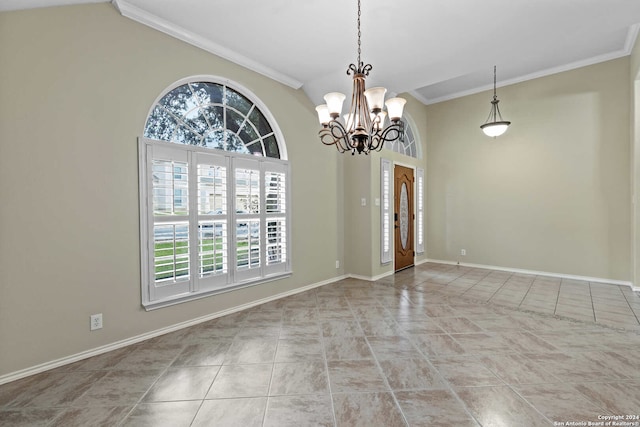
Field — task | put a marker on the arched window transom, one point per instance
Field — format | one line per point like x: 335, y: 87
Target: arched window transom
x: 410, y: 145
x: 212, y: 115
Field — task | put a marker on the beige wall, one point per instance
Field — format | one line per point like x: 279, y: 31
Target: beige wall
x: 76, y: 84
x: 552, y: 194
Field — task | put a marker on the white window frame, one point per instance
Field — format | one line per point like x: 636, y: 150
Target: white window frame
x: 156, y: 295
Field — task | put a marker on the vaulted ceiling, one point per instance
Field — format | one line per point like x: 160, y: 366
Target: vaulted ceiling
x: 434, y: 49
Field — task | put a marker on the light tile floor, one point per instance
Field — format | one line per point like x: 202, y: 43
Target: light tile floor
x: 435, y: 345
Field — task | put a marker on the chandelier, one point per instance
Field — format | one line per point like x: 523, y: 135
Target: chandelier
x: 363, y: 129
x: 495, y: 125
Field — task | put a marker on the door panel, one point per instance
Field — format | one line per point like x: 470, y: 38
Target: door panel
x: 404, y: 217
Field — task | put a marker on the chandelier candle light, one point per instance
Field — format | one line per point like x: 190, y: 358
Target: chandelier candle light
x: 363, y: 129
x: 495, y: 125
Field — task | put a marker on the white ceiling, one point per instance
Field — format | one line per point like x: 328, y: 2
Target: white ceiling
x: 434, y: 49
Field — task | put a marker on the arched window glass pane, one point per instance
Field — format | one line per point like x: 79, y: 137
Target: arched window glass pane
x: 408, y: 147
x: 212, y: 115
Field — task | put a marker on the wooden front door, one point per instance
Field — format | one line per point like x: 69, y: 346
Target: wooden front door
x: 404, y: 217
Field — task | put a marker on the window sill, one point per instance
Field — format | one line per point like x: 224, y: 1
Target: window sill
x: 179, y: 299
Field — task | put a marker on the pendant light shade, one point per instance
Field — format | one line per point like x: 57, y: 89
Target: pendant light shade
x: 494, y: 129
x: 334, y: 102
x: 395, y: 107
x: 495, y: 125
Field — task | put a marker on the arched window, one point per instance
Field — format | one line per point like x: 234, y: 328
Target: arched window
x: 214, y: 186
x: 410, y: 147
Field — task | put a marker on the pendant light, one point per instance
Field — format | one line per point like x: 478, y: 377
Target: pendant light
x: 495, y: 125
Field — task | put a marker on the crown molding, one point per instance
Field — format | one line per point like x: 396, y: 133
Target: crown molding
x: 142, y: 16
x: 630, y: 40
x: 417, y: 95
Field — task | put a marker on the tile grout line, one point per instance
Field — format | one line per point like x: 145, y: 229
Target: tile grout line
x: 205, y: 397
x: 380, y: 371
x: 528, y: 290
x: 494, y: 292
x: 500, y: 288
x: 444, y: 380
x: 555, y: 309
x: 214, y: 378
x: 524, y: 399
x: 164, y: 371
x: 386, y: 382
x: 631, y: 308
x: 273, y: 369
x: 595, y: 320
x: 326, y: 362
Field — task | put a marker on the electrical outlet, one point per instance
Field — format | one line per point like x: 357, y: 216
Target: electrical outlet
x: 337, y: 264
x: 96, y: 321
x: 463, y: 252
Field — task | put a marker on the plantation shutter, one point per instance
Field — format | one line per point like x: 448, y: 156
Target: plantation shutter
x: 420, y: 211
x: 169, y: 242
x: 385, y: 211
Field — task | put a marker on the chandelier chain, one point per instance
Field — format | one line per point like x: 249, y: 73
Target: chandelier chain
x: 359, y: 48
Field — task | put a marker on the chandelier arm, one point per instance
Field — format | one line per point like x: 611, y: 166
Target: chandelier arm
x: 393, y: 132
x: 340, y: 136
x: 335, y: 134
x: 375, y: 142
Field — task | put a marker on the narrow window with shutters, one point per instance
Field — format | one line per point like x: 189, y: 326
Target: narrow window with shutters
x: 385, y: 211
x: 420, y: 211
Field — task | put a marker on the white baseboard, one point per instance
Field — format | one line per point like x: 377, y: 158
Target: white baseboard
x: 540, y: 273
x: 370, y: 278
x: 142, y: 337
x: 422, y: 261
x: 383, y: 275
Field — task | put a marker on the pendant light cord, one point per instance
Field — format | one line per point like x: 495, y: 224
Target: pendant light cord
x: 494, y: 82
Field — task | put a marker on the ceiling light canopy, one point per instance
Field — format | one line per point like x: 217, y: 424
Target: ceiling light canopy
x: 363, y: 129
x: 495, y: 125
